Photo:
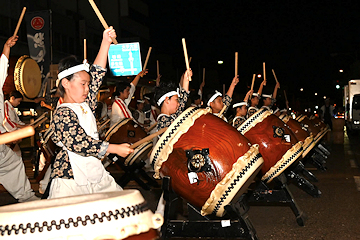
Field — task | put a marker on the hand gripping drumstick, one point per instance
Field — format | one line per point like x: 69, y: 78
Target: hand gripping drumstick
x: 222, y: 111
x: 102, y: 20
x: 186, y: 55
x: 16, y: 135
x: 19, y: 22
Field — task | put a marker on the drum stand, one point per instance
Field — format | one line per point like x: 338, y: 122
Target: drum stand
x: 280, y: 195
x: 318, y: 156
x: 234, y: 225
x: 135, y: 172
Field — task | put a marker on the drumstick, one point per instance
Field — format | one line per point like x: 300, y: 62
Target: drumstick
x: 45, y: 87
x: 236, y: 64
x: 85, y: 55
x: 264, y: 72
x: 285, y: 96
x: 102, y: 20
x: 190, y: 60
x: 157, y: 68
x: 147, y: 59
x: 104, y: 124
x: 274, y: 75
x: 203, y: 75
x: 19, y: 22
x: 39, y: 123
x: 148, y: 138
x: 253, y: 81
x: 16, y: 135
x: 152, y: 127
x: 186, y: 56
x: 222, y: 111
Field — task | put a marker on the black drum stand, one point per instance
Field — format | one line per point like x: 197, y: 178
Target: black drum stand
x: 234, y: 225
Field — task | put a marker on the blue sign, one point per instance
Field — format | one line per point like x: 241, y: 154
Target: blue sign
x: 125, y: 59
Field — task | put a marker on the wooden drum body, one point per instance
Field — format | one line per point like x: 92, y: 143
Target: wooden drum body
x: 111, y: 215
x: 300, y: 132
x: 277, y: 143
x: 209, y: 162
x: 127, y: 131
x: 324, y: 128
x: 27, y: 77
x: 308, y: 124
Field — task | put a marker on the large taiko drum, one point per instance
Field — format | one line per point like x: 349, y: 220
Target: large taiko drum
x: 324, y: 128
x: 111, y: 215
x: 127, y: 131
x: 209, y: 162
x: 27, y: 77
x: 300, y: 132
x: 277, y: 143
x: 308, y: 124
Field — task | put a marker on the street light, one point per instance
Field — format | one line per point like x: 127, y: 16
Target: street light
x: 301, y: 89
x: 341, y: 70
x: 316, y: 94
x: 337, y: 86
x: 220, y: 62
x: 259, y: 75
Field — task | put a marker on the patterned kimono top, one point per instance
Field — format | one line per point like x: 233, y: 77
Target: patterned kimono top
x: 66, y: 128
x: 164, y: 120
x: 238, y: 121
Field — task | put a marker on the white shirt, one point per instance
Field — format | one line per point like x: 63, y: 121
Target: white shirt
x: 120, y: 108
x: 3, y: 74
x: 11, y: 118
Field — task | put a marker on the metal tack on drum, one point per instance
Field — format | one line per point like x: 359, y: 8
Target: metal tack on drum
x: 27, y: 77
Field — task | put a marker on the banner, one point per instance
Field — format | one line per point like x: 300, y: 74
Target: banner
x: 38, y: 35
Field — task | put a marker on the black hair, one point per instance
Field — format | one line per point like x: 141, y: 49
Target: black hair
x: 207, y: 96
x: 194, y: 97
x: 64, y: 64
x: 121, y: 86
x: 15, y: 94
x: 162, y: 89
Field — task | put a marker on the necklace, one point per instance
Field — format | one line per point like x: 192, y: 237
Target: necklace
x: 83, y: 110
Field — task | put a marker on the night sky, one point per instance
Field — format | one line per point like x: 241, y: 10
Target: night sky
x: 305, y: 42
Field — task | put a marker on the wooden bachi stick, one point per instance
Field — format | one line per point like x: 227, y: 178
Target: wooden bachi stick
x: 157, y: 68
x: 148, y: 138
x: 253, y: 81
x: 101, y: 18
x: 85, y: 52
x: 190, y: 60
x: 146, y: 60
x: 275, y: 76
x: 186, y: 56
x: 264, y: 72
x: 236, y: 64
x: 203, y: 75
x: 19, y: 22
x: 17, y: 135
x: 222, y: 111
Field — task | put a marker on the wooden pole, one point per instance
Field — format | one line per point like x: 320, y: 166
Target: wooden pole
x: 186, y: 56
x: 101, y: 18
x: 236, y: 64
x: 16, y: 135
x: 85, y: 53
x: 19, y: 22
x: 148, y: 138
x: 264, y: 71
x: 253, y: 81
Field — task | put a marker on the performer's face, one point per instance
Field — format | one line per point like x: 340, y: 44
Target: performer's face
x: 77, y: 89
x: 173, y: 103
x: 125, y: 94
x: 254, y: 101
x: 243, y: 110
x: 217, y: 105
x: 15, y: 101
x: 267, y: 101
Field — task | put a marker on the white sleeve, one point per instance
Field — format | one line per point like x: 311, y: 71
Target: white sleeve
x: 132, y: 91
x: 116, y: 114
x: 4, y: 63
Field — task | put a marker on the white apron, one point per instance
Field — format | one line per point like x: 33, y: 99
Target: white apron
x: 85, y: 169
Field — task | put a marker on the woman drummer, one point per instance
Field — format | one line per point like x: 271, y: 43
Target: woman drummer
x: 254, y: 101
x: 269, y: 100
x: 216, y: 102
x: 77, y: 168
x: 241, y: 111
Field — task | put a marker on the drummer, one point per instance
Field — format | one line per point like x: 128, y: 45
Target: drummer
x: 254, y: 101
x: 12, y: 169
x: 269, y: 100
x: 139, y: 115
x: 101, y: 107
x: 77, y: 169
x: 216, y: 102
x: 241, y: 111
x: 123, y: 95
x: 170, y: 101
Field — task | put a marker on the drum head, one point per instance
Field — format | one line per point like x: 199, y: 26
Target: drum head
x: 27, y: 77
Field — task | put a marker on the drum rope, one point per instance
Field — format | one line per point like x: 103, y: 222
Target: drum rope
x: 48, y: 225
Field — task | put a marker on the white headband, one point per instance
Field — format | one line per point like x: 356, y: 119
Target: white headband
x: 168, y: 94
x: 146, y: 97
x: 255, y: 94
x: 239, y: 104
x: 217, y: 94
x: 267, y: 95
x: 67, y: 72
x: 140, y: 101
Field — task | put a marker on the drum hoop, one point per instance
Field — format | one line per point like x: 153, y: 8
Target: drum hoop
x: 116, y: 127
x: 85, y: 213
x: 164, y: 145
x: 286, y: 160
x: 298, y: 117
x: 19, y: 85
x: 256, y: 118
x: 242, y: 171
x: 137, y: 152
x: 312, y: 117
x: 309, y: 144
x: 283, y: 115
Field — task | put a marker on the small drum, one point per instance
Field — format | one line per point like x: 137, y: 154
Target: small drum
x: 209, y: 162
x: 300, y: 132
x: 27, y: 77
x: 278, y: 144
x: 111, y: 215
x: 127, y: 131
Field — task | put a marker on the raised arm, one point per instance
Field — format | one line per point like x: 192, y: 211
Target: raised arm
x: 9, y: 43
x: 185, y: 79
x: 277, y: 86
x: 101, y: 58
x: 232, y: 86
x: 263, y: 83
x: 248, y: 94
x: 137, y: 78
